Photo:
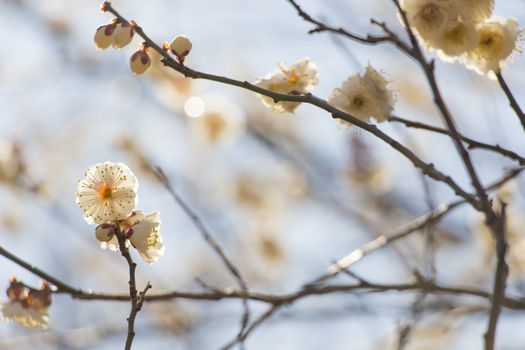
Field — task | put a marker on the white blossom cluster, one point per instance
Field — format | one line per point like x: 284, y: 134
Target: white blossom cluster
x: 464, y: 31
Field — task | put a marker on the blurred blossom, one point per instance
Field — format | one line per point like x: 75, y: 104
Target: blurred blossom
x: 27, y: 306
x: 222, y: 122
x: 11, y: 165
x: 365, y: 96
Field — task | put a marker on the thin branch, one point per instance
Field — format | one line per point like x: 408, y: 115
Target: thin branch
x: 161, y: 176
x: 132, y: 287
x: 427, y: 169
x: 257, y: 322
x: 369, y: 39
x: 502, y: 271
x: 512, y: 100
x: 417, y: 224
x: 471, y: 142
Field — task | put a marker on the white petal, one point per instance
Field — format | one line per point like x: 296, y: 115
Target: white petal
x: 146, y: 238
x: 26, y: 316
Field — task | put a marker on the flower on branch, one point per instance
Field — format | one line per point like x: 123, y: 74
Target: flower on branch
x: 27, y: 306
x: 107, y: 193
x: 498, y: 39
x: 365, y: 96
x: 140, y: 231
x: 299, y: 78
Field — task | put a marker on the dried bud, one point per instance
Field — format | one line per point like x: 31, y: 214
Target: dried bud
x: 39, y: 299
x: 104, y: 232
x: 122, y: 35
x: 104, y: 36
x: 180, y: 46
x: 139, y: 62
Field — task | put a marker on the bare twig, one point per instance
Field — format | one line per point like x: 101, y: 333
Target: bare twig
x: 132, y: 287
x: 512, y: 100
x: 469, y: 141
x: 161, y: 176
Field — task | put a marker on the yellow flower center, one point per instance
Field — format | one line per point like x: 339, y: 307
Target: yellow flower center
x: 358, y: 102
x: 293, y: 78
x: 104, y: 191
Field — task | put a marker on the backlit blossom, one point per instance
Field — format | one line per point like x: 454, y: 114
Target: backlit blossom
x: 364, y: 97
x: 498, y: 39
x: 474, y: 10
x: 299, y: 78
x: 10, y: 161
x: 27, y: 306
x: 456, y: 38
x: 108, y: 192
x: 428, y: 17
x: 140, y: 231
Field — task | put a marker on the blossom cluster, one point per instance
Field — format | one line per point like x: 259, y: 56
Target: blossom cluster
x: 119, y: 34
x: 108, y: 197
x: 464, y: 31
x: 27, y: 306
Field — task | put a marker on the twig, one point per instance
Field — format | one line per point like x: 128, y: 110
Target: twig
x: 161, y: 176
x: 502, y: 271
x: 417, y: 224
x: 132, y: 287
x: 512, y: 100
x: 257, y: 322
x: 471, y: 142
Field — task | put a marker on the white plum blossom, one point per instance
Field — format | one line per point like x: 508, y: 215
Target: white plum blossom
x: 140, y: 231
x: 364, y: 96
x: 498, y: 39
x: 108, y: 192
x: 27, y: 306
x: 299, y: 78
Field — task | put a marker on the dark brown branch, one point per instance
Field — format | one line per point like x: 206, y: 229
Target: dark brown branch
x: 469, y: 141
x: 427, y: 169
x: 369, y: 39
x: 502, y: 271
x: 512, y: 100
x: 132, y: 287
x: 161, y: 176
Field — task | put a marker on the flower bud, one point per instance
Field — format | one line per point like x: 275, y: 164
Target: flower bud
x: 104, y: 36
x: 139, y: 62
x: 180, y: 46
x: 122, y: 35
x: 104, y: 232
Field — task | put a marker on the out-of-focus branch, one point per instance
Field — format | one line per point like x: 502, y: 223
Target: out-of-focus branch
x: 161, y: 176
x: 469, y: 141
x: 512, y: 100
x: 402, y: 232
x: 427, y: 169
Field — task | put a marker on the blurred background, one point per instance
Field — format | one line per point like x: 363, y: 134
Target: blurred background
x: 285, y: 194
